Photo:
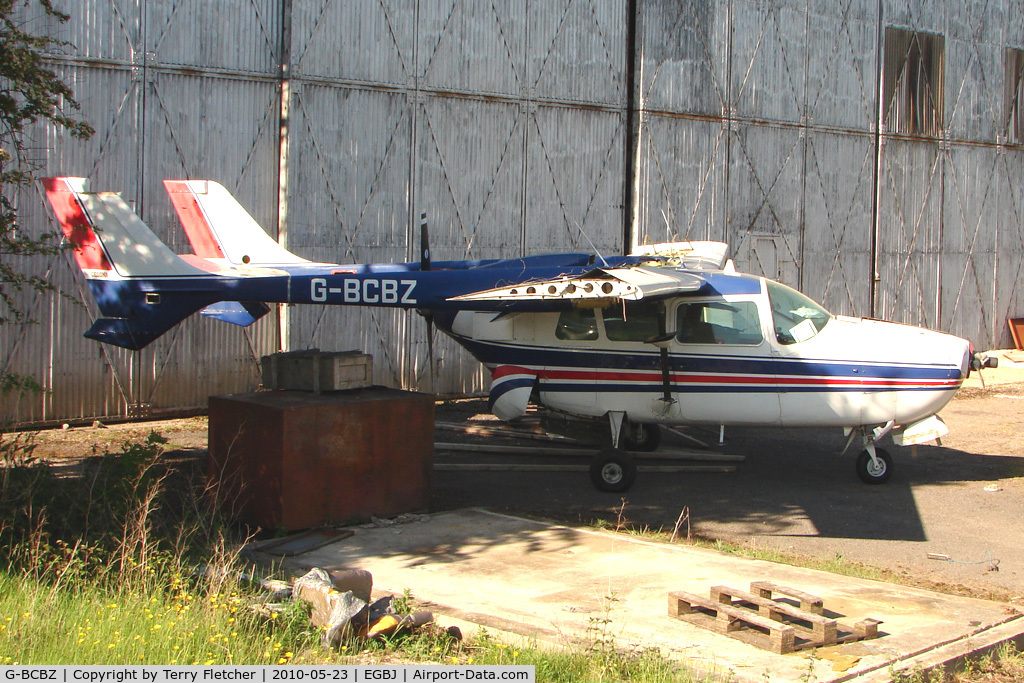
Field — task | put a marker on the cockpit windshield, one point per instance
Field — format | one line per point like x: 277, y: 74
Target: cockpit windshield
x: 796, y: 318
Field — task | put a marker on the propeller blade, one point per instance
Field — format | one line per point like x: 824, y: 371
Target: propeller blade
x: 424, y: 243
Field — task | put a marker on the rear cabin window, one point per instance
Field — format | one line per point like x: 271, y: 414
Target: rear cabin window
x: 577, y: 325
x: 718, y: 322
x: 634, y: 322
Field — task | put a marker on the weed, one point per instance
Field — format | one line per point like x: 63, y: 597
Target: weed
x: 100, y: 568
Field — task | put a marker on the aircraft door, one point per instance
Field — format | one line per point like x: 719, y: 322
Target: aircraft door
x: 808, y: 395
x: 722, y: 362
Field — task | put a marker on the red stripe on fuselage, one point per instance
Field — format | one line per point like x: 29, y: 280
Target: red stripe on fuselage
x: 506, y: 370
x: 676, y: 378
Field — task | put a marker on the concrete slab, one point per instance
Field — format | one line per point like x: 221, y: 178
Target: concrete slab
x: 559, y: 584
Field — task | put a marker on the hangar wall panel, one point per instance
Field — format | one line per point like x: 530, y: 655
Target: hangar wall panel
x: 167, y: 101
x: 970, y: 220
x: 909, y: 232
x: 681, y: 196
x: 1009, y: 265
x: 504, y: 123
x: 838, y: 220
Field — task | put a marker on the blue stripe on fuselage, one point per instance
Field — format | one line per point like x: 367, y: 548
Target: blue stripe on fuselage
x: 498, y: 353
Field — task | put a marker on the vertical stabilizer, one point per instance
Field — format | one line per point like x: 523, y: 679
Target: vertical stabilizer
x: 108, y: 237
x: 141, y: 287
x: 218, y: 227
x: 63, y: 194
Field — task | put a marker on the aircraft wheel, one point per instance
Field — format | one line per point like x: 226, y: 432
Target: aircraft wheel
x: 640, y: 437
x: 613, y: 470
x: 869, y: 472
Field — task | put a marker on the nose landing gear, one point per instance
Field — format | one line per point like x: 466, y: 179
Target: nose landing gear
x: 874, y: 464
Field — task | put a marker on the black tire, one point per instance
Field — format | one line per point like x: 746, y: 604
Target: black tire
x: 868, y: 473
x: 640, y: 437
x: 613, y: 471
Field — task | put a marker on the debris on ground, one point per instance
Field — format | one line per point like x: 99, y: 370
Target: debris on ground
x: 341, y: 605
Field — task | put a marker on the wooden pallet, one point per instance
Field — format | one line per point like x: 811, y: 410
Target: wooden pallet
x: 759, y: 620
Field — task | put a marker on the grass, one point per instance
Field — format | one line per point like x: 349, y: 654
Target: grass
x: 101, y: 568
x: 1005, y: 664
x: 185, y: 626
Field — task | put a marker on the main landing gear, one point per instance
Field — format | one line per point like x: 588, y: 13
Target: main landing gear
x: 874, y: 464
x: 613, y: 470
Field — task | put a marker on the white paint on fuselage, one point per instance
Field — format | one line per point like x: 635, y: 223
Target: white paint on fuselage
x: 847, y: 375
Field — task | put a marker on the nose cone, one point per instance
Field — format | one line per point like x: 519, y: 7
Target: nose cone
x: 922, y: 369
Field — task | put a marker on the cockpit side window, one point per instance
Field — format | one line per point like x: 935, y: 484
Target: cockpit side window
x: 795, y: 317
x: 636, y: 322
x: 718, y: 322
x: 577, y: 325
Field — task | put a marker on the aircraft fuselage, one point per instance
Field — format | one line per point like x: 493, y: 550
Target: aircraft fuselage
x: 747, y: 370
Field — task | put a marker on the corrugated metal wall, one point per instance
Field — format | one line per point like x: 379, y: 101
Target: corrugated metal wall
x: 135, y: 69
x: 760, y: 126
x: 503, y: 121
x: 336, y: 122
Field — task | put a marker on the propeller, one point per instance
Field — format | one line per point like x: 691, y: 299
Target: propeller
x: 981, y: 359
x: 427, y: 315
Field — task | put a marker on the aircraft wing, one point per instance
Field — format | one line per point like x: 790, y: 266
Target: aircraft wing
x: 597, y: 287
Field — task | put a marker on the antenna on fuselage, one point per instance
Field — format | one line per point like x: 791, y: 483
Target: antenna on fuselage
x: 594, y: 248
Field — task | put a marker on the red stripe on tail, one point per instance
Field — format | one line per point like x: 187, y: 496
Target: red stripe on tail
x: 75, y: 224
x: 193, y: 219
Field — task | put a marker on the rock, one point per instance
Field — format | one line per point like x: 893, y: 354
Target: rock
x: 334, y: 612
x: 279, y: 590
x: 359, y: 581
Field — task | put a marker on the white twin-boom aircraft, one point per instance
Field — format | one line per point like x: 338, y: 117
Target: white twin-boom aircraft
x: 670, y: 334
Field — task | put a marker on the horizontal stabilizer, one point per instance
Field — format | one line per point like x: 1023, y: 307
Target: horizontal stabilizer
x: 241, y: 313
x: 597, y: 286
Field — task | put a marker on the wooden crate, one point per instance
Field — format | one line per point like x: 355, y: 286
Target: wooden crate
x: 317, y: 371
